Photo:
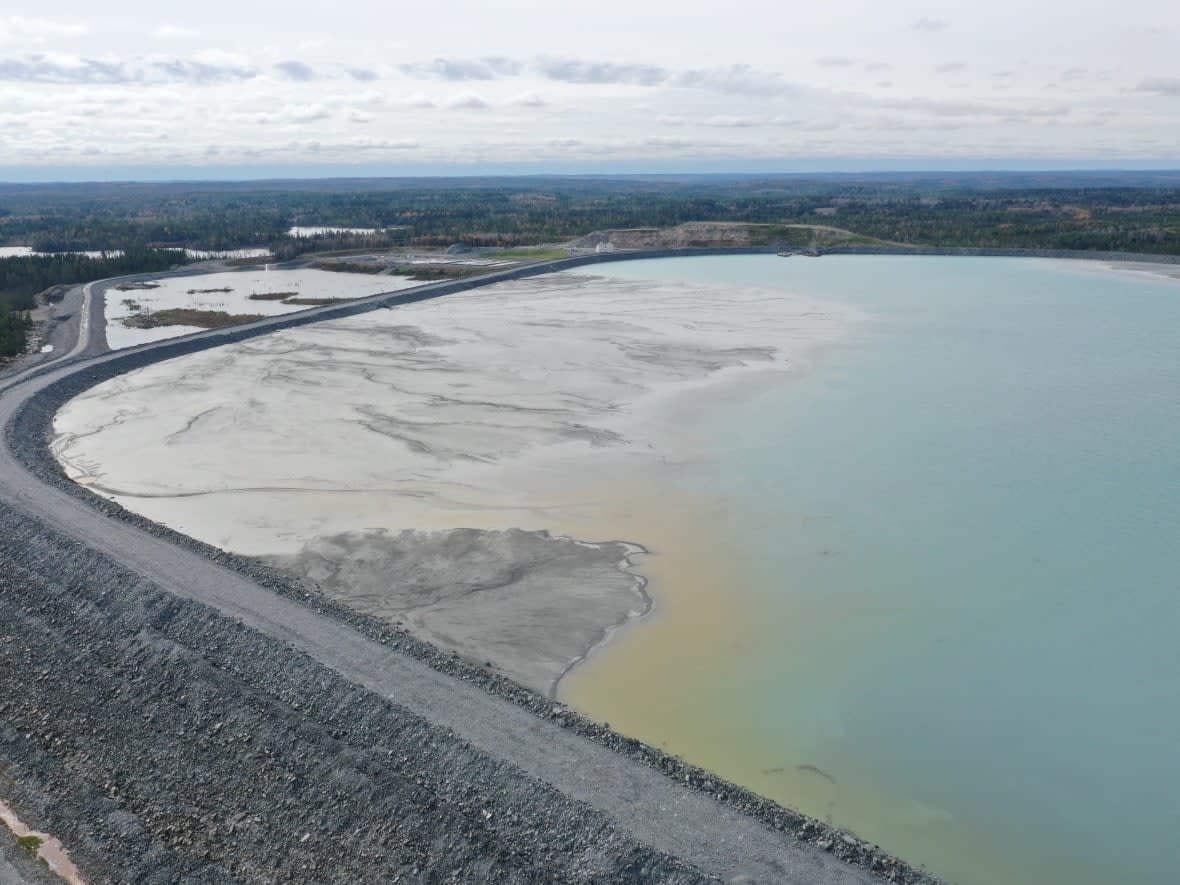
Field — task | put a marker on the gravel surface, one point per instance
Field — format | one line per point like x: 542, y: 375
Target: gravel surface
x: 18, y: 866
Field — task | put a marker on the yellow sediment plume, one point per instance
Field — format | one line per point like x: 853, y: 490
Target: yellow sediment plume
x: 677, y: 680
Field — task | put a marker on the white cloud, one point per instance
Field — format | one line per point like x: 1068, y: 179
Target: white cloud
x: 175, y: 32
x: 289, y: 115
x: 930, y: 25
x: 528, y: 100
x: 284, y: 87
x: 21, y: 30
x: 468, y: 100
x: 727, y: 121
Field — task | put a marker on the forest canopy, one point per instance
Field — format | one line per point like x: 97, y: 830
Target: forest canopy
x: 1088, y: 211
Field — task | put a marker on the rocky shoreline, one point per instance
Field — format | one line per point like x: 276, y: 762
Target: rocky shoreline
x: 54, y: 796
x: 989, y: 252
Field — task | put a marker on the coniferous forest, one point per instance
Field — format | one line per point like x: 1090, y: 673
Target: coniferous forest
x: 1100, y: 211
x: 23, y: 276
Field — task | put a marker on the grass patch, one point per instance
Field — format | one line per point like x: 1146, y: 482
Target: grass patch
x: 440, y: 271
x: 208, y: 291
x: 250, y: 262
x: 807, y: 235
x: 271, y: 296
x: 132, y: 287
x: 180, y: 316
x: 532, y: 253
x: 348, y: 266
x: 30, y: 843
x: 344, y: 253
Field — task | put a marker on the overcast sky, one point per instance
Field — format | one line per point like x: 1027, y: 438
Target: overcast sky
x: 534, y: 85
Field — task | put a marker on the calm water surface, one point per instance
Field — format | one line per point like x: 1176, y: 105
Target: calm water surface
x: 952, y: 616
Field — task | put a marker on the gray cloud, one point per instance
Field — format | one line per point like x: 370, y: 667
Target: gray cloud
x: 589, y: 72
x: 951, y: 67
x: 466, y: 100
x: 736, y: 80
x: 41, y: 69
x: 310, y: 115
x: 295, y: 70
x: 725, y: 121
x: 378, y: 144
x: 975, y: 109
x: 930, y: 25
x: 357, y: 143
x: 529, y: 100
x: 665, y: 141
x: 184, y: 71
x: 1160, y: 85
x: 492, y: 68
x: 899, y: 124
x: 63, y: 69
x: 831, y: 61
x: 365, y: 75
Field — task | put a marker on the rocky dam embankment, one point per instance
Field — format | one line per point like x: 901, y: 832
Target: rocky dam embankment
x: 163, y: 742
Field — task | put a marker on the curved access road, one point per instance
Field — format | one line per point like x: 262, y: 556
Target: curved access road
x: 656, y: 810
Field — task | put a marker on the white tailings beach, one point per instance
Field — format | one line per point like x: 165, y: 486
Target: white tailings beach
x: 468, y: 466
x: 256, y: 292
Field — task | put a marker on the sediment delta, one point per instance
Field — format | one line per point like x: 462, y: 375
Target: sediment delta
x: 490, y: 594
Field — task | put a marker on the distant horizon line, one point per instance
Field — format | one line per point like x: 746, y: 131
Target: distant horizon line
x: 192, y: 174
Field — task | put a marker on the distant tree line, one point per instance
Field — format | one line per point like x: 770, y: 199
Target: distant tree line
x: 1114, y: 211
x: 1133, y: 212
x: 22, y: 277
x: 287, y: 247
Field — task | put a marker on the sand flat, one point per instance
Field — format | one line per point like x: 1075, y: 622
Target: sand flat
x: 229, y: 292
x: 349, y: 452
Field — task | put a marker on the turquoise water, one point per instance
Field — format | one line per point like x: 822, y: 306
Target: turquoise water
x: 962, y: 531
